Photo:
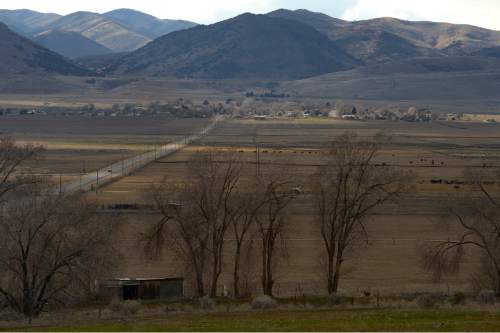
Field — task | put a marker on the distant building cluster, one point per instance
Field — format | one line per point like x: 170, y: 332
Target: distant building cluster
x: 264, y: 110
x: 180, y: 109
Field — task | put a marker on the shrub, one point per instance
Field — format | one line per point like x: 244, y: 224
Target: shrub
x: 126, y: 308
x: 206, y: 303
x: 458, y: 298
x: 8, y: 315
x: 263, y: 302
x: 429, y: 301
x: 487, y: 297
x: 341, y: 300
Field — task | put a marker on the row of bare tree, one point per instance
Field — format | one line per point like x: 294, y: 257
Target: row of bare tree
x: 198, y: 217
x: 225, y: 199
x: 52, y: 246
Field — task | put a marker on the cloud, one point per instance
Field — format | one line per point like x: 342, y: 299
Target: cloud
x: 478, y: 12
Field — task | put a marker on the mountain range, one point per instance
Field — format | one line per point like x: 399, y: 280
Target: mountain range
x: 386, y: 39
x: 237, y: 47
x: 281, y: 45
x: 245, y: 46
x: 121, y: 30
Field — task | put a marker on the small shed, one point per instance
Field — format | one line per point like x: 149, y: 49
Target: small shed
x: 143, y: 289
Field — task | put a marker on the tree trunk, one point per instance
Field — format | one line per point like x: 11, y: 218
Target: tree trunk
x: 200, y: 288
x: 28, y: 306
x: 336, y: 278
x: 236, y: 272
x: 216, y: 270
x: 497, y: 291
x: 213, y: 282
x: 267, y: 276
x: 264, y: 277
x: 330, y: 275
x: 269, y: 279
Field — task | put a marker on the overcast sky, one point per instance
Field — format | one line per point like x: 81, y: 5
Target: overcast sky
x: 484, y: 13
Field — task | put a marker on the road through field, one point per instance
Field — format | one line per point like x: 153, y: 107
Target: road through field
x: 97, y: 178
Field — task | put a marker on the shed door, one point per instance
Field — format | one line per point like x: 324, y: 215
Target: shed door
x: 130, y: 292
x: 172, y: 289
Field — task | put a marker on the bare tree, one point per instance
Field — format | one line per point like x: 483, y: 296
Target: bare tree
x: 181, y: 229
x: 216, y: 178
x: 247, y: 209
x: 46, y: 241
x: 207, y: 206
x: 275, y: 191
x: 348, y: 188
x: 12, y: 156
x: 477, y: 215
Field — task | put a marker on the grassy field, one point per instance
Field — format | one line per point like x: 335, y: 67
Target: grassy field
x: 349, y: 320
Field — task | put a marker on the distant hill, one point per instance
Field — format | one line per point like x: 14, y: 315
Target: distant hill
x: 379, y: 46
x: 145, y: 24
x: 99, y: 62
x: 121, y: 30
x: 21, y: 56
x: 319, y: 21
x: 425, y: 79
x: 70, y: 44
x: 245, y: 46
x: 456, y: 39
x: 101, y: 30
x: 389, y: 39
x: 27, y: 22
x: 492, y: 52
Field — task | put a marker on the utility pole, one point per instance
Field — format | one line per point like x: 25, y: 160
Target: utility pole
x: 257, y: 153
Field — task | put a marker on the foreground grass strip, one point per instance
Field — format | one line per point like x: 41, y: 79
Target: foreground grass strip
x: 310, y: 320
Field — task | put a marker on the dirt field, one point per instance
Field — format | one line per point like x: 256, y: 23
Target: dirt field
x: 388, y: 263
x: 78, y: 144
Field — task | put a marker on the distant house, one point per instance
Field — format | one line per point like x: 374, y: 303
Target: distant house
x: 334, y: 114
x: 426, y: 115
x: 349, y: 117
x: 142, y: 289
x: 260, y: 117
